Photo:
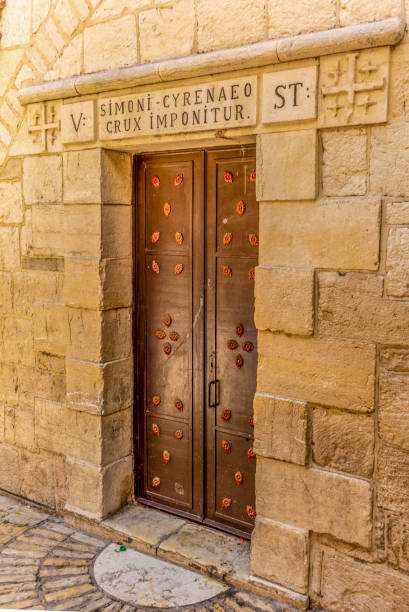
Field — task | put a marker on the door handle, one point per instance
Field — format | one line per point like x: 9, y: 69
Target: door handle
x: 213, y: 388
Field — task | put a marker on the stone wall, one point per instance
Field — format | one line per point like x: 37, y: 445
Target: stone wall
x: 332, y: 296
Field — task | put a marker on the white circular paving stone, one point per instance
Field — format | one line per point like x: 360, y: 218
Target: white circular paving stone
x: 142, y: 580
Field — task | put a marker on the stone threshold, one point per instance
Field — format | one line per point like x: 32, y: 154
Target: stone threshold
x: 200, y: 548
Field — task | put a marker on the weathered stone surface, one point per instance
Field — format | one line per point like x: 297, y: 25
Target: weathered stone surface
x: 343, y: 441
x: 37, y: 473
x: 389, y: 160
x: 116, y: 177
x: 6, y: 293
x: 12, y: 169
x: 167, y: 32
x: 9, y: 248
x: 362, y: 11
x: 352, y: 306
x: 280, y: 428
x: 82, y: 177
x: 289, y: 19
x: 99, y: 491
x: 47, y: 231
x: 78, y: 122
x: 397, y: 541
x: 394, y: 408
x: 18, y: 341
x: 11, y: 210
x: 284, y: 300
x: 344, y: 162
x: 97, y: 231
x: 347, y: 584
x: 397, y: 262
x: 119, y: 48
x: 42, y: 179
x: 99, y: 388
x: 92, y: 438
x: 19, y: 425
x: 108, y: 9
x: 393, y: 479
x: 342, y: 234
x: 280, y: 553
x: 90, y: 283
x: 281, y: 155
x: 314, y: 499
x: 50, y: 329
x: 31, y: 286
x: 9, y: 62
x: 331, y: 372
x: 394, y: 359
x: 245, y: 23
x: 10, y: 477
x: 99, y: 336
x: 397, y: 213
x: 15, y: 26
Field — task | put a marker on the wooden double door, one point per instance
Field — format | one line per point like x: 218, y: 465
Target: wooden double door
x: 197, y: 230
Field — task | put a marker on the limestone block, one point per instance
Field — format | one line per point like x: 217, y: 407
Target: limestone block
x: 42, y: 179
x: 46, y: 234
x: 364, y: 11
x: 6, y: 295
x: 341, y: 234
x: 284, y: 300
x: 12, y: 169
x: 399, y: 95
x: 343, y: 441
x: 103, y: 232
x: 280, y: 428
x: 167, y: 32
x: 314, y: 499
x: 99, y: 491
x: 348, y: 584
x: 8, y: 383
x: 291, y: 18
x: 389, y: 159
x: 70, y: 61
x: 50, y: 363
x: 394, y: 408
x: 397, y: 260
x: 280, y: 553
x: 16, y: 24
x: 9, y: 61
x: 334, y: 373
x: 341, y: 75
x: 10, y: 477
x: 280, y: 157
x: 393, y: 479
x: 18, y: 341
x: 99, y: 388
x: 9, y: 248
x: 99, y: 336
x: 114, y: 8
x: 25, y: 74
x: 93, y: 438
x: 352, y: 306
x: 397, y: 213
x: 38, y: 480
x: 31, y: 286
x: 119, y: 48
x: 78, y: 123
x: 50, y: 329
x: 394, y: 359
x: 90, y: 283
x: 66, y: 16
x: 19, y: 425
x: 96, y: 176
x: 344, y: 162
x: 39, y: 12
x: 36, y: 382
x: 397, y: 542
x: 229, y: 24
x: 2, y: 407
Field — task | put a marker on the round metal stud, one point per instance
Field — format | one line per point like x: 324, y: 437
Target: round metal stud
x: 226, y: 415
x: 247, y: 346
x: 156, y: 482
x: 253, y: 239
x: 178, y: 434
x: 226, y: 446
x: 239, y: 361
x: 178, y: 180
x: 174, y: 336
x: 167, y: 349
x: 226, y: 502
x: 251, y: 512
x: 166, y: 456
x: 156, y: 400
x: 238, y: 477
x: 167, y: 209
x: 155, y: 181
x: 227, y: 271
x: 227, y: 238
x: 240, y: 208
x: 155, y: 429
x: 228, y: 177
x: 252, y: 274
x: 160, y: 334
x: 179, y: 237
x: 239, y: 330
x: 253, y: 176
x: 232, y: 344
x: 178, y: 269
x: 167, y: 320
x: 251, y: 454
x: 179, y: 404
x: 155, y: 267
x: 155, y: 237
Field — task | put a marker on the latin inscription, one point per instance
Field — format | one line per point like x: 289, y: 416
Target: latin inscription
x: 209, y: 106
x: 78, y: 122
x: 290, y: 95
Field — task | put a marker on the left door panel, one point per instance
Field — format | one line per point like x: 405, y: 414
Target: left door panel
x: 170, y: 331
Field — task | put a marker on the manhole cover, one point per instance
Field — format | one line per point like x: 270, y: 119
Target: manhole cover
x: 143, y: 580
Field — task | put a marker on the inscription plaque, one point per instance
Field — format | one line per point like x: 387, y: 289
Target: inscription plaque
x: 214, y: 105
x: 77, y: 122
x: 289, y: 95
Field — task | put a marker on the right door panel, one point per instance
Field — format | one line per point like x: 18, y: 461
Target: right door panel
x: 232, y: 254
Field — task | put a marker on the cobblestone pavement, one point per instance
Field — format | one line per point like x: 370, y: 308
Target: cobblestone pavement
x: 45, y: 565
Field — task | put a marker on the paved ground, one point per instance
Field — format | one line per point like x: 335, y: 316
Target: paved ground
x: 45, y: 565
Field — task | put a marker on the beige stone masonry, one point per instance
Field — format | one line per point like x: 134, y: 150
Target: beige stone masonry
x: 42, y: 179
x: 393, y: 479
x: 334, y: 373
x: 340, y: 234
x: 280, y: 554
x: 284, y: 300
x: 277, y: 155
x: 280, y: 428
x: 119, y: 47
x: 397, y: 259
x: 394, y: 408
x: 344, y: 162
x: 308, y: 498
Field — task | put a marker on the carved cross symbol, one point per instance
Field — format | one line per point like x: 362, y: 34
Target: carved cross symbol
x: 352, y: 87
x: 45, y: 126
